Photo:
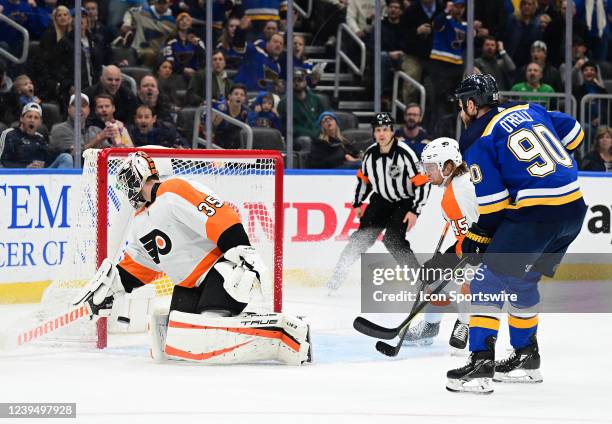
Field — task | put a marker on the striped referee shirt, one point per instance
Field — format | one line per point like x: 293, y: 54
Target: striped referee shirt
x: 393, y: 175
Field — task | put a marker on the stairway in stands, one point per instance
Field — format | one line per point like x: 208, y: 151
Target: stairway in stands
x: 353, y: 96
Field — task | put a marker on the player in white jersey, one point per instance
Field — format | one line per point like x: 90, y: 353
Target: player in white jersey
x: 183, y: 229
x: 444, y: 167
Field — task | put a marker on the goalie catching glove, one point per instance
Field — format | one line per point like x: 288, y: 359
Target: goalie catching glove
x: 101, y: 291
x: 243, y: 272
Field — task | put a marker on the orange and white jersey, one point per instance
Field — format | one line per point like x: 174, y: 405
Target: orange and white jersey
x: 178, y: 233
x: 460, y: 207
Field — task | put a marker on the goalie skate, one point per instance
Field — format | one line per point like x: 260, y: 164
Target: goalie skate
x: 422, y: 334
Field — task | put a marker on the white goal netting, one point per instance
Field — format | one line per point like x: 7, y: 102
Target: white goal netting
x: 250, y: 181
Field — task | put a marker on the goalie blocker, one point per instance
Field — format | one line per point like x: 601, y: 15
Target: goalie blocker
x: 218, y: 287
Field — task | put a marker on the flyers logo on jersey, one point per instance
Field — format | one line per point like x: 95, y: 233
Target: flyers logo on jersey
x: 156, y: 243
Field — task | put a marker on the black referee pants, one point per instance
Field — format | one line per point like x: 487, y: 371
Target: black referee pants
x: 380, y: 215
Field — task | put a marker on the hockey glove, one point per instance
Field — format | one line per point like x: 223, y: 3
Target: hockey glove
x: 475, y: 244
x: 248, y: 273
x: 102, y: 290
x: 247, y: 257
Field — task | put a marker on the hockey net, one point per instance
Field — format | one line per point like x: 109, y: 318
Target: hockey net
x: 250, y: 181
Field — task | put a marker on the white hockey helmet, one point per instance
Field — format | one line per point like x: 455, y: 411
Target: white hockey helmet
x: 132, y: 175
x: 441, y: 150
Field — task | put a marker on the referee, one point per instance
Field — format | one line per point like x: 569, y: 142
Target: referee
x: 389, y: 172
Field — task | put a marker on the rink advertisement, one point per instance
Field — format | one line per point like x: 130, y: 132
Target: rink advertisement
x: 38, y: 211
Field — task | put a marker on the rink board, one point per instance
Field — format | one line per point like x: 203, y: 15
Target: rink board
x: 36, y: 212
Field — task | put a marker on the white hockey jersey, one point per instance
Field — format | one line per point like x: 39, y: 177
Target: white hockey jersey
x: 460, y: 207
x: 178, y: 233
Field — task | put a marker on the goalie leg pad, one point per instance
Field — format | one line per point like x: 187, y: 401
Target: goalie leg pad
x: 245, y: 338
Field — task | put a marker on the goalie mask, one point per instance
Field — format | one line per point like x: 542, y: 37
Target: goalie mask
x: 440, y: 151
x: 133, y: 174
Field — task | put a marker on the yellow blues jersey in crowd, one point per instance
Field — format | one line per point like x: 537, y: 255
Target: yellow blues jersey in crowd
x: 521, y: 164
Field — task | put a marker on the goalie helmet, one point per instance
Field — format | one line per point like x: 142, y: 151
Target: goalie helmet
x: 133, y: 174
x: 441, y: 150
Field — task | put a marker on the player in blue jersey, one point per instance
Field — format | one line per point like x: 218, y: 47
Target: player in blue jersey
x: 531, y: 209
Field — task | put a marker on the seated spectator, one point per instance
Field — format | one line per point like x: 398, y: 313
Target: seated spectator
x: 360, y: 16
x: 592, y: 85
x: 148, y: 27
x: 110, y: 83
x: 24, y: 91
x: 227, y: 135
x: 147, y: 131
x: 103, y: 130
x: 102, y: 34
x: 8, y: 102
x: 169, y: 82
x: 270, y: 28
x: 331, y: 149
x: 148, y: 94
x: 307, y: 108
x: 550, y: 74
x: 496, y: 61
x: 25, y: 147
x: 264, y: 114
x: 412, y: 133
x: 533, y: 84
x: 184, y: 49
x: 221, y: 83
x: 62, y: 137
x: 225, y: 43
x: 600, y: 157
x: 260, y: 68
x: 522, y: 29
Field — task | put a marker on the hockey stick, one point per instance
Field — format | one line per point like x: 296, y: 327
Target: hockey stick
x: 12, y: 340
x: 372, y: 329
x: 390, y: 350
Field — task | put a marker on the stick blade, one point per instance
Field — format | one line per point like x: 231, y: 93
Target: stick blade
x: 387, y: 349
x: 371, y: 329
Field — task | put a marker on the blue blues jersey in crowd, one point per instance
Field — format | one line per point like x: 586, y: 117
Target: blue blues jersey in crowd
x: 521, y: 164
x: 264, y: 10
x: 448, y: 40
x: 257, y: 67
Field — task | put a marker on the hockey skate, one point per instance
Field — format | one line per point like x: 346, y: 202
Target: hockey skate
x: 522, y: 366
x: 459, y: 336
x: 475, y: 376
x: 422, y: 334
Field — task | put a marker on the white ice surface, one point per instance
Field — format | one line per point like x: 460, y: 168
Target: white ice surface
x: 350, y: 382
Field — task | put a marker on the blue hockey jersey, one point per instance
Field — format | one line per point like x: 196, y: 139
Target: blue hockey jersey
x: 520, y: 163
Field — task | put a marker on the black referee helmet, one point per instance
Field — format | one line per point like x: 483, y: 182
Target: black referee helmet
x: 382, y: 119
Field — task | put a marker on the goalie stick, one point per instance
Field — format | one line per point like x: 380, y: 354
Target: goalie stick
x: 372, y: 329
x: 14, y: 339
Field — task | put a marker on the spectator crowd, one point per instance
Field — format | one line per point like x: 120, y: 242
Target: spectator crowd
x: 160, y: 45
